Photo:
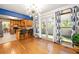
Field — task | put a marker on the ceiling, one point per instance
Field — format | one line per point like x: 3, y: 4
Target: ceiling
x: 20, y: 8
x: 8, y: 17
x: 48, y: 7
x: 25, y: 9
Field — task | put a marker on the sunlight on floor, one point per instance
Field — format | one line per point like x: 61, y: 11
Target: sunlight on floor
x: 7, y: 37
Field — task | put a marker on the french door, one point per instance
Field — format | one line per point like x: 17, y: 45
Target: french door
x: 47, y: 28
x: 66, y: 30
x: 44, y: 29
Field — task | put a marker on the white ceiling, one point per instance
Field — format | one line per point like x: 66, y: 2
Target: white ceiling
x: 49, y: 7
x: 8, y: 17
x: 21, y: 8
x: 26, y: 9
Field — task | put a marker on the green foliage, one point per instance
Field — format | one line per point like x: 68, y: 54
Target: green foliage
x: 75, y: 38
x: 66, y: 23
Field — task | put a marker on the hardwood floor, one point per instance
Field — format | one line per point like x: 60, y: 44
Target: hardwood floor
x: 33, y: 46
x: 7, y: 37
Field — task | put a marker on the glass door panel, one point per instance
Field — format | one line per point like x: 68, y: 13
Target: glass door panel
x: 36, y: 26
x: 50, y: 28
x: 78, y: 22
x: 43, y: 28
x: 66, y: 30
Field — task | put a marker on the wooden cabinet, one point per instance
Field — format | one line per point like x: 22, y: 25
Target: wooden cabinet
x: 20, y: 23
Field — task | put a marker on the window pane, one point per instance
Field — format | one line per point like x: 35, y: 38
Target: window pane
x: 66, y: 29
x: 50, y: 26
x: 43, y: 27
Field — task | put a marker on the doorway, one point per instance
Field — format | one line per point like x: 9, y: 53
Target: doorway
x: 6, y: 26
x: 43, y: 29
x: 66, y: 30
x: 6, y: 32
x: 47, y: 26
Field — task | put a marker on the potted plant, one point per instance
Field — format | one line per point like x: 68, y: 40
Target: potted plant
x: 75, y: 39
